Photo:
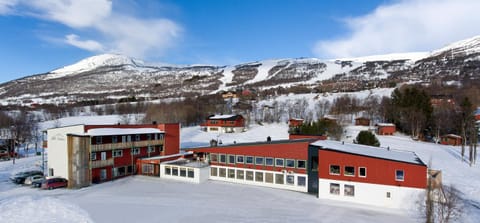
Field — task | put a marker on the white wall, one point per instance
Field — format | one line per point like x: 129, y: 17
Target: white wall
x: 200, y: 174
x: 372, y: 194
x: 57, y: 148
x: 284, y: 186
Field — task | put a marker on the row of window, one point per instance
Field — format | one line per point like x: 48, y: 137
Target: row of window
x: 119, y: 152
x: 128, y: 138
x: 179, y: 171
x: 257, y: 160
x: 349, y: 190
x: 362, y: 172
x: 259, y: 176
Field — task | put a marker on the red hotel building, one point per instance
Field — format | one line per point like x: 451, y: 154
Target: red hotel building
x: 86, y: 154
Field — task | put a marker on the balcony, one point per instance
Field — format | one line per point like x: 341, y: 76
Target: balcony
x: 101, y: 163
x: 112, y: 146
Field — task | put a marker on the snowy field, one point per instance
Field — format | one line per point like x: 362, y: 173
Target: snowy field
x: 148, y: 199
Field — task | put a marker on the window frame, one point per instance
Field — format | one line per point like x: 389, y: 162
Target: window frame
x: 278, y: 159
x: 304, y: 165
x: 231, y: 158
x: 224, y: 158
x: 214, y: 155
x: 114, y: 139
x: 333, y: 173
x: 119, y: 151
x: 351, y: 193
x: 269, y: 158
x: 135, y: 151
x: 345, y: 173
x: 247, y: 158
x: 93, y: 156
x: 292, y: 161
x: 334, y: 189
x: 396, y: 175
x: 242, y: 159
x: 262, y: 159
x: 360, y: 172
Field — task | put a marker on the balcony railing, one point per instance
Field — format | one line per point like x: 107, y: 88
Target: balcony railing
x: 101, y: 163
x: 112, y: 146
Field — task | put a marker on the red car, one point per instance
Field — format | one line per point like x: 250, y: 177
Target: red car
x: 56, y: 182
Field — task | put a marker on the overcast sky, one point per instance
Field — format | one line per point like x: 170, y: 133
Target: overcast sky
x: 41, y: 35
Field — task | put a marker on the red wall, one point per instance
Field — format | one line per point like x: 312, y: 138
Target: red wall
x: 172, y: 138
x: 379, y: 171
x: 386, y: 130
x: 290, y: 150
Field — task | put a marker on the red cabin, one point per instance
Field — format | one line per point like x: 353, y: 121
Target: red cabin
x: 451, y: 139
x: 385, y: 128
x: 362, y: 121
x: 224, y: 124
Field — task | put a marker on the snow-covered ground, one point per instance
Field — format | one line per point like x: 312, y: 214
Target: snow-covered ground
x: 148, y: 199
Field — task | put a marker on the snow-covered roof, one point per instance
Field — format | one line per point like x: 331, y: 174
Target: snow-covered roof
x: 385, y: 124
x: 121, y: 131
x: 453, y: 136
x: 221, y: 116
x: 377, y: 152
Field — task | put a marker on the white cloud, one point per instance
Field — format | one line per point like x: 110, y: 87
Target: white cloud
x: 405, y: 26
x: 90, y: 45
x: 114, y: 31
x: 6, y: 6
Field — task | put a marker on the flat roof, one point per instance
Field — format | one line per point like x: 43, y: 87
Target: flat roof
x: 286, y: 141
x: 370, y: 151
x: 187, y: 163
x: 222, y: 116
x: 121, y: 131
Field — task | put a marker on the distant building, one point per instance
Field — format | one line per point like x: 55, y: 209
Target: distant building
x: 385, y: 128
x: 295, y: 122
x: 224, y: 124
x: 229, y: 94
x: 362, y: 121
x: 451, y: 139
x: 85, y: 154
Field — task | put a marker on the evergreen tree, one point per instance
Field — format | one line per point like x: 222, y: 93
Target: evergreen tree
x: 367, y: 138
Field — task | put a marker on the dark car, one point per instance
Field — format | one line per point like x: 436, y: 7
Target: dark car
x: 37, y: 183
x: 54, y: 182
x: 20, y: 177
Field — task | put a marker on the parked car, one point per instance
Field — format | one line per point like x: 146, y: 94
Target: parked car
x: 29, y: 180
x: 38, y: 183
x: 5, y: 155
x: 55, y: 182
x: 20, y: 177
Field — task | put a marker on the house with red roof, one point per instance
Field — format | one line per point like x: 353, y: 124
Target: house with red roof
x: 224, y: 124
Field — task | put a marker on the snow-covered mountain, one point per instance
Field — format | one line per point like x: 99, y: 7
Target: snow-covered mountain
x: 117, y: 76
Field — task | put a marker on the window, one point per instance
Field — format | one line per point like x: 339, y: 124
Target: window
x: 98, y: 140
x: 93, y: 156
x: 175, y: 171
x: 258, y: 176
x: 117, y: 153
x: 137, y: 137
x: 190, y: 173
x: 231, y: 173
x: 334, y: 170
x: 160, y: 148
x: 362, y: 172
x: 349, y: 190
x: 240, y: 159
x: 259, y: 160
x: 150, y: 149
x: 290, y: 179
x: 240, y: 174
x: 161, y: 136
x: 349, y: 171
x: 301, y: 164
x: 269, y: 178
x: 149, y: 136
x: 388, y: 194
x: 249, y: 160
x: 213, y: 171
x: 301, y: 181
x: 135, y: 151
x: 399, y: 175
x: 222, y: 172
x: 129, y: 138
x: 183, y: 172
x: 223, y: 158
x: 231, y: 159
x: 168, y: 170
x: 268, y: 161
x: 249, y: 175
x: 279, y: 178
x: 124, y: 139
x: 279, y: 162
x: 146, y: 168
x: 334, y: 188
x: 115, y: 172
x: 213, y: 157
x: 103, y: 174
x: 290, y: 163
x: 114, y: 139
x: 103, y: 155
